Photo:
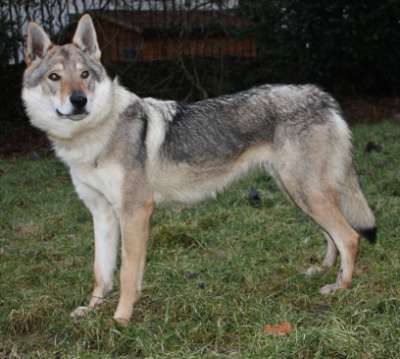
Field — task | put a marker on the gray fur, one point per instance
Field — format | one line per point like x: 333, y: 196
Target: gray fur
x: 222, y: 128
x: 86, y: 39
x: 132, y: 134
x: 38, y: 43
x: 64, y: 55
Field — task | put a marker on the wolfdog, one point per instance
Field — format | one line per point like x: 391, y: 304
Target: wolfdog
x: 126, y: 154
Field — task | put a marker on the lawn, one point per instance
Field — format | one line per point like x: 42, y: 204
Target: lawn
x: 216, y: 274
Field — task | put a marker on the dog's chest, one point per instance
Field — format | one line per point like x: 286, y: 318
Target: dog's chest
x: 106, y: 179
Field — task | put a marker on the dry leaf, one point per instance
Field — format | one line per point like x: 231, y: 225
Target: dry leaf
x: 280, y: 329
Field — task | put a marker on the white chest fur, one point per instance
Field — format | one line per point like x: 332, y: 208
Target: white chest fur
x: 105, y: 179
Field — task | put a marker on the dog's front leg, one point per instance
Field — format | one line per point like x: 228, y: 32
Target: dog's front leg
x: 106, y: 233
x: 135, y: 232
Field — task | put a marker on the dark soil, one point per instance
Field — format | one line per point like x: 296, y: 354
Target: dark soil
x: 24, y: 140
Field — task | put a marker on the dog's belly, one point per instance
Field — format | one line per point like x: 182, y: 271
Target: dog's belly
x: 184, y: 183
x: 188, y: 189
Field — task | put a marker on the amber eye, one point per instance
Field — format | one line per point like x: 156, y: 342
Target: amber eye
x: 85, y: 74
x: 54, y: 77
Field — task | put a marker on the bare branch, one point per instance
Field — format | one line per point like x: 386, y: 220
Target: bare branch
x: 193, y: 79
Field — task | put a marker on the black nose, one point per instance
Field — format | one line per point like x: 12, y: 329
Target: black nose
x: 78, y: 99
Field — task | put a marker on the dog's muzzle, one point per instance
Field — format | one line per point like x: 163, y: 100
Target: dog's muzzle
x: 74, y: 116
x: 78, y: 100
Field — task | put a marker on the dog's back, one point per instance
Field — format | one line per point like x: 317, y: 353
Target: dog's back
x: 221, y: 129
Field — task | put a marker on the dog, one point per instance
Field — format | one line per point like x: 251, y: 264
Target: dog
x: 126, y: 154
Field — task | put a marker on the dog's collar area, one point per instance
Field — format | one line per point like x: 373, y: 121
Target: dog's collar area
x: 73, y: 116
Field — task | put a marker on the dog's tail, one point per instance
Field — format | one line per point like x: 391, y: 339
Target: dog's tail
x: 355, y: 208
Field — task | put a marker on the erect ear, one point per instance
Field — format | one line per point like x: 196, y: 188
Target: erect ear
x: 85, y: 37
x: 38, y: 43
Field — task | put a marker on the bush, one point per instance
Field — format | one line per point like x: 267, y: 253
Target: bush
x: 345, y: 45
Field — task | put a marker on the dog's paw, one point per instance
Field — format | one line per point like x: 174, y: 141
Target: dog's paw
x: 80, y: 312
x: 329, y: 288
x: 121, y: 321
x: 123, y: 313
x: 313, y: 270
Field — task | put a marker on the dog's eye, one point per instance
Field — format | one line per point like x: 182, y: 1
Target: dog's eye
x: 85, y: 74
x: 54, y: 77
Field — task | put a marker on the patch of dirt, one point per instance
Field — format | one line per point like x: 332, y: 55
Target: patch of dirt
x: 28, y: 228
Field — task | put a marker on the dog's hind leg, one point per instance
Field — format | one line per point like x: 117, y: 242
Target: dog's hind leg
x: 321, y: 204
x: 329, y: 217
x: 106, y: 233
x: 330, y: 256
x: 296, y: 195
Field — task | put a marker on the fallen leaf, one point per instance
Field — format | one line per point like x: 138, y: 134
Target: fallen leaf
x: 281, y: 329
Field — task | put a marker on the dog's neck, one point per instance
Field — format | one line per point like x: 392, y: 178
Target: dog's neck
x: 86, y: 147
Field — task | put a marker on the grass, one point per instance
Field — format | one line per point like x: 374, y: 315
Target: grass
x: 215, y: 275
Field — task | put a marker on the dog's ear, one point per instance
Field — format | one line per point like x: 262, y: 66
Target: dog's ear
x: 38, y: 43
x: 85, y: 37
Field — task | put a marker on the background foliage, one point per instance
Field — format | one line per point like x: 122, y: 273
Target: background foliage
x: 344, y: 45
x: 351, y: 48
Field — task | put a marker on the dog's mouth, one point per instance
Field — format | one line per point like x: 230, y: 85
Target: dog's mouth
x: 74, y: 116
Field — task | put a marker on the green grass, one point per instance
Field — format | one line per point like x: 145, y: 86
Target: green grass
x: 215, y: 275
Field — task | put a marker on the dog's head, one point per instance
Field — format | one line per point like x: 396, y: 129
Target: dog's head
x: 65, y: 87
